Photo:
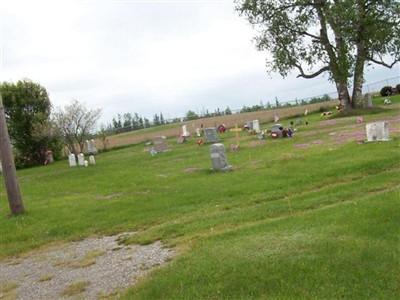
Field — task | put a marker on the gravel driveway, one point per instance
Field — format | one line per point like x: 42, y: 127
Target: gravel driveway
x: 89, y: 269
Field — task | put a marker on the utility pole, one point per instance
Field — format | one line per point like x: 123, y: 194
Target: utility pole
x: 7, y: 161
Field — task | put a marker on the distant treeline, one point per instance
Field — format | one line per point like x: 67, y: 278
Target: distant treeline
x: 129, y: 122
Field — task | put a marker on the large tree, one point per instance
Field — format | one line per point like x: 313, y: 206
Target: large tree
x: 334, y: 37
x: 75, y: 123
x: 27, y: 109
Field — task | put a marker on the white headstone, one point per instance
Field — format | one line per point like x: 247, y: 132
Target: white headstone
x: 218, y: 157
x: 198, y: 132
x: 92, y: 147
x: 91, y: 160
x: 86, y: 163
x: 81, y: 159
x: 256, y: 126
x: 378, y: 131
x: 72, y: 160
x: 87, y: 146
x: 185, y: 132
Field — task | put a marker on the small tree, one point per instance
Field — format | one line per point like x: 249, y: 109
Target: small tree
x: 191, y: 115
x: 75, y: 122
x: 27, y: 109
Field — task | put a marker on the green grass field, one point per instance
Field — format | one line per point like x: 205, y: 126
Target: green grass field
x: 316, y: 216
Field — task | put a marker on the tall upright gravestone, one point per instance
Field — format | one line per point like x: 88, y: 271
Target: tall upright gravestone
x: 218, y: 158
x: 72, y: 160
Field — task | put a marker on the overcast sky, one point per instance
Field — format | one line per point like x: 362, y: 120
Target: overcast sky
x: 145, y: 56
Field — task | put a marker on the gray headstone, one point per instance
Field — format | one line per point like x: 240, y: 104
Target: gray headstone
x: 378, y: 131
x: 275, y: 128
x: 250, y: 125
x: 256, y: 126
x: 211, y: 135
x: 90, y: 148
x: 92, y: 160
x: 81, y: 159
x: 368, y: 100
x: 218, y: 158
x: 72, y: 160
x: 298, y: 121
x: 160, y: 144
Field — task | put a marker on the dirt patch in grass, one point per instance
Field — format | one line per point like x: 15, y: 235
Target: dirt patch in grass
x: 88, y: 269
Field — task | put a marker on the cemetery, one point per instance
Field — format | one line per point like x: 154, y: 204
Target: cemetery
x: 311, y: 216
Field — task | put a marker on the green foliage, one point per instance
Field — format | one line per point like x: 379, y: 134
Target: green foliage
x: 398, y: 88
x: 386, y: 91
x: 191, y: 115
x: 27, y: 107
x: 312, y: 38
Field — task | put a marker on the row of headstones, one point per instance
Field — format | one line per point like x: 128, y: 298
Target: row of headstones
x: 160, y: 143
x: 81, y: 160
x: 378, y: 131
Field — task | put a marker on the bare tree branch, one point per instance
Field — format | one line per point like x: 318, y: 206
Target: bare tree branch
x: 313, y: 75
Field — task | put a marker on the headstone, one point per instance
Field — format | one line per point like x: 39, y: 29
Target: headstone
x: 218, y: 158
x: 210, y: 134
x: 160, y: 144
x: 378, y: 131
x: 250, y: 125
x: 85, y: 163
x: 198, y: 132
x: 277, y: 128
x: 298, y: 121
x: 81, y: 159
x: 368, y: 100
x: 72, y: 160
x: 185, y: 132
x: 90, y: 148
x: 92, y: 160
x: 256, y: 126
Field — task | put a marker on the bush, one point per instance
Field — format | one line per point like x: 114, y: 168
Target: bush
x: 386, y: 91
x: 398, y: 88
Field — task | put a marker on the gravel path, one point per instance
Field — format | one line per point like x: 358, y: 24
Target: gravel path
x: 91, y: 269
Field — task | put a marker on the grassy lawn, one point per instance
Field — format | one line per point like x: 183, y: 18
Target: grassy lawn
x: 313, y: 216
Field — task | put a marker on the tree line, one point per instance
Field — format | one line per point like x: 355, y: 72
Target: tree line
x: 130, y: 122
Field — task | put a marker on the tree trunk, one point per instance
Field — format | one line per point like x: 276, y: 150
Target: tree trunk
x: 8, y: 166
x: 361, y: 56
x: 344, y: 97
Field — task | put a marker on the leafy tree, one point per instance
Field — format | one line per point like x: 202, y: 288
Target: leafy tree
x: 331, y: 37
x: 191, y: 115
x: 27, y: 108
x: 156, y: 120
x: 228, y: 111
x: 76, y: 122
x: 127, y: 121
x: 147, y: 123
x: 117, y: 123
x: 162, y: 119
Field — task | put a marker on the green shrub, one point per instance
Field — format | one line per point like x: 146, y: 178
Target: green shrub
x: 398, y: 88
x: 386, y: 91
